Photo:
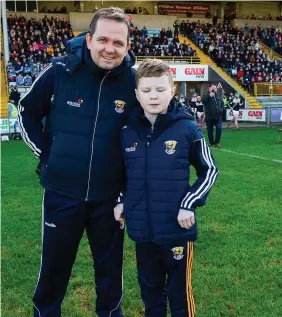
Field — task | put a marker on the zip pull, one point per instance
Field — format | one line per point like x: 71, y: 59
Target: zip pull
x: 148, y: 140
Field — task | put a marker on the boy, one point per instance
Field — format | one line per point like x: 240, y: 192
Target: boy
x: 159, y: 143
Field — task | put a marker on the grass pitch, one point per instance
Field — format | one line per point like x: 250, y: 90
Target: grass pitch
x: 237, y: 267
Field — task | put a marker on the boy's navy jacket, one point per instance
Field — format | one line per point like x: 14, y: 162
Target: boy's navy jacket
x: 86, y: 108
x: 157, y: 167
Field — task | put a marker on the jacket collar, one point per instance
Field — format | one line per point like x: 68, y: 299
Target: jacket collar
x: 143, y: 126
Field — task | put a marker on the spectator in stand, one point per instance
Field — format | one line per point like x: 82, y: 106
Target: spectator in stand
x: 11, y: 75
x: 27, y: 80
x: 144, y: 31
x: 162, y: 33
x: 9, y: 66
x: 240, y: 75
x: 26, y: 69
x: 176, y: 28
x: 20, y: 80
x: 18, y: 68
x: 168, y: 33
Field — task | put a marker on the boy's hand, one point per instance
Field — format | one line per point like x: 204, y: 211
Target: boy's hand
x: 118, y: 213
x: 186, y: 218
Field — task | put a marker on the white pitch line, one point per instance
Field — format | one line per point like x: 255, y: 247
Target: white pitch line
x: 250, y: 155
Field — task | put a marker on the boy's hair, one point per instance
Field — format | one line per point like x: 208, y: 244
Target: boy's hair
x: 112, y: 13
x: 153, y: 68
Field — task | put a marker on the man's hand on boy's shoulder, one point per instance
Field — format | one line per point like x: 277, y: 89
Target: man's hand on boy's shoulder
x: 186, y: 218
x: 118, y: 213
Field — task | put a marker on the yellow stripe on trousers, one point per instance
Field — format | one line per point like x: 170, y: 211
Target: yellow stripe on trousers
x: 189, y: 291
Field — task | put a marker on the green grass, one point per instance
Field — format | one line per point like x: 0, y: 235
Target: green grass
x: 237, y: 268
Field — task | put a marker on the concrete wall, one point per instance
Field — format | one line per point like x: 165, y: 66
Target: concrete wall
x: 37, y: 16
x: 55, y: 4
x: 257, y: 8
x: 242, y: 22
x: 89, y: 6
x: 81, y: 21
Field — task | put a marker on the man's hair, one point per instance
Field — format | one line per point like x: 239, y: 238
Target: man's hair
x: 153, y: 68
x: 112, y: 13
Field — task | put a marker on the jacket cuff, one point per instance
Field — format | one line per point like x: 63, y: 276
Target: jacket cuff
x: 120, y: 199
x: 189, y: 209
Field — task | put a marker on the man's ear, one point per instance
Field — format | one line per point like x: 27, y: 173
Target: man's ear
x: 88, y: 40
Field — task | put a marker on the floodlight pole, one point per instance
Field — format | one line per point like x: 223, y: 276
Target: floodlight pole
x: 5, y: 31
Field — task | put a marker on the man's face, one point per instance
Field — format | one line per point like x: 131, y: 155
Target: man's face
x: 154, y: 94
x: 212, y: 88
x: 108, y: 45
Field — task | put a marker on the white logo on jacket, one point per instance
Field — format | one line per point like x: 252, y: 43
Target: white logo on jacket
x: 170, y: 146
x: 132, y: 148
x: 50, y: 224
x: 75, y: 103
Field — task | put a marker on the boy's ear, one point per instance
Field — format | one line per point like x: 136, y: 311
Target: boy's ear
x: 136, y: 93
x: 173, y: 90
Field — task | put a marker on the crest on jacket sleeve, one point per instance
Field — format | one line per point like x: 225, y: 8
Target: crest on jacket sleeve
x: 170, y: 146
x: 178, y: 252
x: 119, y: 106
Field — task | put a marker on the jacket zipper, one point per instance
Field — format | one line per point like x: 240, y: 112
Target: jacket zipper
x: 52, y: 143
x: 93, y: 136
x: 148, y: 143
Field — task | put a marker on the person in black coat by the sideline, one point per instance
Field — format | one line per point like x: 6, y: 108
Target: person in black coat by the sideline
x: 213, y: 105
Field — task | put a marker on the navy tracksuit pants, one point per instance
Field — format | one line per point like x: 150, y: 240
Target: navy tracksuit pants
x: 64, y: 221
x: 164, y: 272
x: 211, y: 123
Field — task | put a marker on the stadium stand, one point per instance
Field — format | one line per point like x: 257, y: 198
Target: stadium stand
x: 32, y: 44
x: 270, y: 36
x: 158, y: 42
x: 237, y: 52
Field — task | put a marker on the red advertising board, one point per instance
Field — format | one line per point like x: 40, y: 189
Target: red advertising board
x: 172, y: 7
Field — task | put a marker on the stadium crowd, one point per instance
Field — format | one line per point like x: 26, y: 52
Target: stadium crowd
x: 163, y: 44
x: 236, y: 51
x: 32, y: 44
x: 270, y: 36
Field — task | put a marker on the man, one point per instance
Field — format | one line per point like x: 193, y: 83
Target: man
x: 213, y: 105
x: 86, y: 97
x: 14, y: 95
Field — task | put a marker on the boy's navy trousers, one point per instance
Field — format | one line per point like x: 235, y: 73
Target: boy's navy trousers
x: 164, y: 272
x: 63, y: 222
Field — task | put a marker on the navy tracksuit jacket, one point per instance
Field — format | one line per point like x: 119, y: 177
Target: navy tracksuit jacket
x: 82, y: 170
x: 157, y: 161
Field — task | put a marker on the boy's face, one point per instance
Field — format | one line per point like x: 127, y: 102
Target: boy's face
x: 154, y: 94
